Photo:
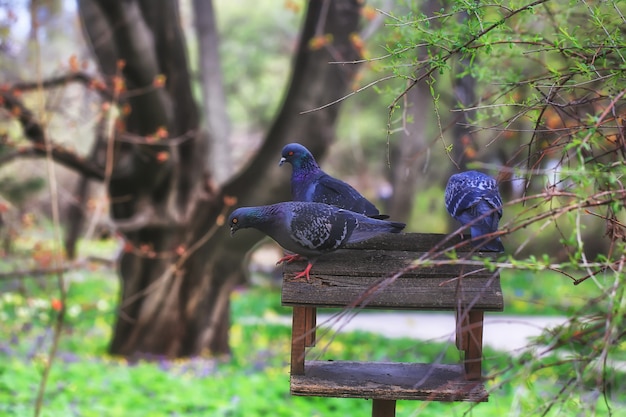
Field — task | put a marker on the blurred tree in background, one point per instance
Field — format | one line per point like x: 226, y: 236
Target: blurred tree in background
x: 178, y: 265
x: 530, y: 91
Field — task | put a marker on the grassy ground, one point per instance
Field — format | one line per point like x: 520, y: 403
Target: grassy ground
x: 85, y: 381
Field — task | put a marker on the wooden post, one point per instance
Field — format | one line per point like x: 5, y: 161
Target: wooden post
x: 383, y: 408
x: 310, y: 324
x: 469, y: 339
x: 298, y: 339
x: 462, y: 327
x: 474, y: 349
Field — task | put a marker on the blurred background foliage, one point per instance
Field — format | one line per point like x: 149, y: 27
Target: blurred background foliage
x: 545, y: 79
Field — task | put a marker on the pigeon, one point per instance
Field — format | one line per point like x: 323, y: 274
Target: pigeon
x: 310, y: 229
x: 310, y: 183
x: 473, y: 197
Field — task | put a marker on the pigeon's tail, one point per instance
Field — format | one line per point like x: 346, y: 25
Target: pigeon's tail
x: 368, y: 228
x: 488, y: 243
x: 395, y: 227
x: 380, y: 226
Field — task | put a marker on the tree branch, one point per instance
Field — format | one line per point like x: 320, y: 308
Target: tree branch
x: 33, y: 131
x: 90, y: 82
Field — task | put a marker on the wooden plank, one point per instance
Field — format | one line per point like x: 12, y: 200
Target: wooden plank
x: 341, y: 278
x: 417, y: 242
x: 383, y: 408
x: 387, y: 381
x: 382, y: 263
x: 403, y: 293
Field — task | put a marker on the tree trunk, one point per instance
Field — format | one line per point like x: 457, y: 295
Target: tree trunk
x: 179, y: 264
x: 464, y: 145
x: 410, y: 152
x: 215, y: 115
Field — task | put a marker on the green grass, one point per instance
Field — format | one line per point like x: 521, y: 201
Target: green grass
x: 546, y: 293
x: 86, y: 381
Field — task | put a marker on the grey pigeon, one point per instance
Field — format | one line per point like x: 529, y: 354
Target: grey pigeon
x: 473, y: 197
x: 310, y: 183
x: 310, y: 229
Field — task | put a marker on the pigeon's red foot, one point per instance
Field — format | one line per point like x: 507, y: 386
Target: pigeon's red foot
x: 288, y: 258
x: 305, y: 273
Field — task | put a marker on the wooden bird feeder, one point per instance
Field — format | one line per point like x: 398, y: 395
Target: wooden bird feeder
x: 340, y: 278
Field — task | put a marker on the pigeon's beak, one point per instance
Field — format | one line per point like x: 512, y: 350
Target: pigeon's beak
x: 233, y: 229
x: 282, y: 161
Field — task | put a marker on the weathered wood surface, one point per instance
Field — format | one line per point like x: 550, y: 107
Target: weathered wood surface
x: 416, y: 242
x: 387, y: 381
x: 341, y: 278
x: 380, y: 263
x: 404, y: 293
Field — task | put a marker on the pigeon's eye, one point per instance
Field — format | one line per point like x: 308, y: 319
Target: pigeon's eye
x: 235, y: 221
x: 290, y: 153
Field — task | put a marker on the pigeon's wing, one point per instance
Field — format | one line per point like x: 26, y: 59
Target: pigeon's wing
x: 473, y: 197
x: 492, y: 197
x: 460, y: 199
x: 335, y: 192
x: 329, y: 189
x: 368, y: 228
x: 321, y: 228
x: 485, y: 226
x: 465, y: 190
x: 453, y: 195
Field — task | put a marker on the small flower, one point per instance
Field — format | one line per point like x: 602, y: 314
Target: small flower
x: 162, y: 156
x: 159, y: 80
x: 56, y: 304
x: 230, y: 200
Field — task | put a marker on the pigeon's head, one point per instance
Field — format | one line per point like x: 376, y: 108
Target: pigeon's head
x: 237, y: 220
x: 245, y: 217
x: 297, y: 155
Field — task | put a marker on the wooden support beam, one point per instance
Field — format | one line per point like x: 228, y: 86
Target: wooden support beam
x: 469, y: 339
x: 383, y: 408
x: 474, y: 349
x: 462, y: 327
x: 298, y: 339
x: 310, y: 324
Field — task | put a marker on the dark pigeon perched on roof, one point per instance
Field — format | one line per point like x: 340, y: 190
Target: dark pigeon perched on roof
x: 471, y: 195
x: 310, y: 183
x: 310, y: 229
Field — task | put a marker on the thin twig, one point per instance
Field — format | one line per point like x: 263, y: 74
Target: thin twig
x: 389, y: 77
x: 62, y: 80
x: 57, y: 242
